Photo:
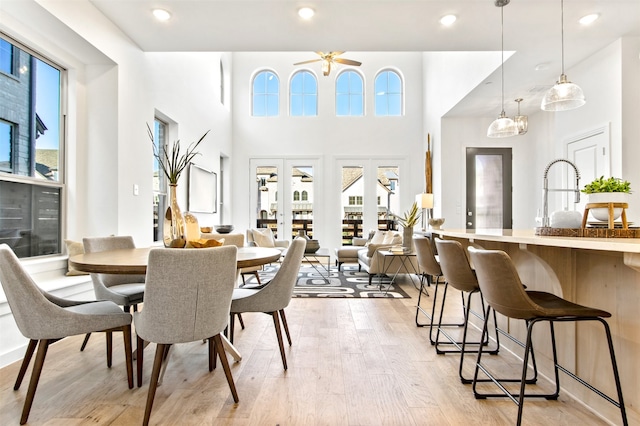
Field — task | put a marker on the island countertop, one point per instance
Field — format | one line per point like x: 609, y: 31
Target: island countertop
x: 526, y: 236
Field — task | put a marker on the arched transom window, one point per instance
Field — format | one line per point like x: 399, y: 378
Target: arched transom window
x: 349, y: 94
x: 304, y: 94
x: 266, y: 94
x: 388, y: 90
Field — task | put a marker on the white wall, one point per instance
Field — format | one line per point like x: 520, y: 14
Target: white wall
x: 326, y: 136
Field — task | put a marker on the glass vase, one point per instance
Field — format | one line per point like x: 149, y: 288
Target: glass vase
x: 174, y: 234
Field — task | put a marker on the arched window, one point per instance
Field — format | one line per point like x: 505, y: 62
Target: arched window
x: 349, y: 94
x: 388, y: 90
x: 304, y: 94
x: 305, y: 196
x: 296, y: 196
x: 266, y: 94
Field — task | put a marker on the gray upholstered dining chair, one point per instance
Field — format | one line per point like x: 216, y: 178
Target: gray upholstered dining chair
x: 123, y: 290
x: 44, y: 319
x: 187, y: 299
x: 272, y: 297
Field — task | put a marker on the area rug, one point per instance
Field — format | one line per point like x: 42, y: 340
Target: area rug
x: 345, y: 283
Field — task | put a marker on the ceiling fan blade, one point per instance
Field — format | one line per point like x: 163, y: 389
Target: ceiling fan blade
x: 334, y: 54
x: 348, y: 62
x: 308, y: 62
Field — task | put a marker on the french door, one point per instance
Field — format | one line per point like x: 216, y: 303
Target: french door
x: 285, y: 194
x: 489, y: 188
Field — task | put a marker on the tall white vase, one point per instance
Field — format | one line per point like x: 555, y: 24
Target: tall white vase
x: 407, y: 238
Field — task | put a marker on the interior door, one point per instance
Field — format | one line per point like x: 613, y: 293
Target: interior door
x: 489, y: 188
x: 590, y: 154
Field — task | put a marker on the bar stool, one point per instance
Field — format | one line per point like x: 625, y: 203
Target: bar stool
x: 459, y: 275
x: 429, y: 268
x: 503, y: 291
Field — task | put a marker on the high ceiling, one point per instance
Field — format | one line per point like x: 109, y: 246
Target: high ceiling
x: 531, y: 30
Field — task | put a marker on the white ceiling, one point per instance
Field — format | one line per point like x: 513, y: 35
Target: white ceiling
x: 531, y: 30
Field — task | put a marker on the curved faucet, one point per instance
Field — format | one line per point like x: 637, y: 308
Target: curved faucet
x: 545, y: 189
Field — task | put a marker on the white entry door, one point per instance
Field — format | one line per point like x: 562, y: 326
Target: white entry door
x: 590, y: 153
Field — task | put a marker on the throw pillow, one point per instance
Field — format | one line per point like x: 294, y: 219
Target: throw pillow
x: 389, y: 237
x: 264, y: 237
x: 378, y: 237
x: 74, y: 248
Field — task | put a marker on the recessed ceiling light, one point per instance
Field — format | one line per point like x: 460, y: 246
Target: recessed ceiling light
x: 589, y: 19
x: 306, y: 12
x: 161, y: 14
x: 448, y: 20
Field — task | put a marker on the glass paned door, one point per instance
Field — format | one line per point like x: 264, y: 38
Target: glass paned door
x: 489, y: 188
x: 284, y: 195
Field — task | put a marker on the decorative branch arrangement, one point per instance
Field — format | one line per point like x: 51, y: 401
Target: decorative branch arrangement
x: 171, y: 162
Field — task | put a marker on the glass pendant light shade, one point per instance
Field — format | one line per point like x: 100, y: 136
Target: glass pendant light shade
x: 502, y: 127
x: 563, y: 96
x: 522, y: 121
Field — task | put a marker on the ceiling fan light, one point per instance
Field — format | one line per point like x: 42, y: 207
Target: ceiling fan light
x: 502, y: 127
x: 326, y: 67
x: 563, y: 96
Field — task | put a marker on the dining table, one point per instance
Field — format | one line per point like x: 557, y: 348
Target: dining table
x: 134, y: 261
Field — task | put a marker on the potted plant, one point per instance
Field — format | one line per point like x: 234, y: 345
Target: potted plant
x: 408, y: 221
x: 173, y: 162
x: 610, y: 190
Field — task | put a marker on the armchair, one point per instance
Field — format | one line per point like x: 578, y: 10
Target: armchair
x: 263, y: 237
x: 372, y: 261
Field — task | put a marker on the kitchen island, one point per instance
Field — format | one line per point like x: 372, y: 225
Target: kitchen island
x: 602, y: 273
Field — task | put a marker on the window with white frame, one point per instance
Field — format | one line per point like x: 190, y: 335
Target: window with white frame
x: 349, y: 94
x: 31, y: 175
x: 266, y: 94
x: 388, y: 94
x: 304, y: 94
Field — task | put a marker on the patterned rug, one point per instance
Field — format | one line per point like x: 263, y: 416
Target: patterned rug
x: 345, y: 283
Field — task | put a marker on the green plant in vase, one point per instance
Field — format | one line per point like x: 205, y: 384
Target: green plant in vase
x: 173, y: 162
x: 408, y: 221
x: 610, y: 190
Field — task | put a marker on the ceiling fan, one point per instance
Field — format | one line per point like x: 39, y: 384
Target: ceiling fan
x: 329, y: 59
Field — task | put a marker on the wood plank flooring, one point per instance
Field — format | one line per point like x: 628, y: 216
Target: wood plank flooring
x: 353, y: 362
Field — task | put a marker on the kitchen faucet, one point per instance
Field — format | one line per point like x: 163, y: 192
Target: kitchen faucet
x: 545, y: 189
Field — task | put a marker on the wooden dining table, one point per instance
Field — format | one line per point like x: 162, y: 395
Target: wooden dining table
x: 134, y: 261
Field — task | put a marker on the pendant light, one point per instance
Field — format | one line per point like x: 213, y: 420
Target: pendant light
x: 522, y: 121
x: 503, y: 126
x: 564, y: 95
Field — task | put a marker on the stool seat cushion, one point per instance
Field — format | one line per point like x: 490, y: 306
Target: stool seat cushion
x: 551, y: 305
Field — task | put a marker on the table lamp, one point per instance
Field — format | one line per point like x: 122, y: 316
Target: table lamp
x: 425, y: 202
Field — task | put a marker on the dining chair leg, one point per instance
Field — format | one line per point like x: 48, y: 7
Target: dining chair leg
x: 283, y: 318
x: 25, y: 363
x: 109, y: 348
x: 139, y: 358
x: 232, y: 320
x: 85, y: 341
x: 276, y: 323
x: 225, y: 366
x: 241, y: 321
x: 153, y: 385
x: 128, y: 353
x: 212, y: 354
x: 43, y: 346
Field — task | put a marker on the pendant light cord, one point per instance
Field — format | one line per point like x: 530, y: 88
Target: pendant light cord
x: 502, y: 54
x: 562, y: 36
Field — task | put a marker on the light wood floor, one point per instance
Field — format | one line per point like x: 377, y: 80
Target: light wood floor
x: 353, y: 362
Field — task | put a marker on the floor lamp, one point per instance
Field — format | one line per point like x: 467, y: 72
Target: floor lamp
x: 425, y: 202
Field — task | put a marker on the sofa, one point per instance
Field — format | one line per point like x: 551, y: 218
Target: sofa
x: 263, y: 237
x: 349, y: 254
x: 372, y: 261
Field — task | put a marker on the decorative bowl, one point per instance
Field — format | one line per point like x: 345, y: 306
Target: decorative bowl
x: 206, y: 229
x: 436, y: 223
x: 312, y: 246
x: 223, y: 229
